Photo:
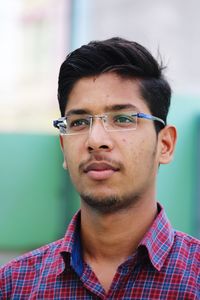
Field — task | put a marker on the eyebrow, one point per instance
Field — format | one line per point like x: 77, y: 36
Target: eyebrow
x: 77, y: 112
x: 117, y: 107
x: 108, y: 108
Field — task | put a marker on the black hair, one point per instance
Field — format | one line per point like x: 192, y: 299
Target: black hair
x: 125, y: 58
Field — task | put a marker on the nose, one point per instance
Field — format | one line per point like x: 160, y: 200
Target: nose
x: 98, y: 137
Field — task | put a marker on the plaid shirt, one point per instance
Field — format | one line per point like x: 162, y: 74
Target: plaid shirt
x: 166, y: 265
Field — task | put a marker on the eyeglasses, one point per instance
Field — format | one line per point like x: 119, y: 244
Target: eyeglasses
x: 113, y: 121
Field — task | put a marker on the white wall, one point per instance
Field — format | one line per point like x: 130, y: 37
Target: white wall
x: 172, y: 26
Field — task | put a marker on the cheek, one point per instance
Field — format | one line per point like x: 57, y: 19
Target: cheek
x: 137, y: 153
x: 128, y: 145
x: 131, y: 151
x: 72, y: 153
x: 71, y: 149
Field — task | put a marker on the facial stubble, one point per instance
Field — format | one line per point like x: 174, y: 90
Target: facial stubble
x: 114, y: 203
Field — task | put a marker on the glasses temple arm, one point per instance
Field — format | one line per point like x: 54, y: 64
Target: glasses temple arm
x: 150, y: 117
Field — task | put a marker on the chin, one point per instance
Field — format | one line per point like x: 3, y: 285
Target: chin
x: 99, y: 191
x: 109, y: 203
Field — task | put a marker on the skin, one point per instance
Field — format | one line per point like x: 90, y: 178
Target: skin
x: 112, y: 230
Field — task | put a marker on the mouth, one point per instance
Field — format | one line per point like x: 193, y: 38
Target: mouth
x: 100, y: 170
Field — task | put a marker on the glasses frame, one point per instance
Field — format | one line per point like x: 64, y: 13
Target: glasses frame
x: 57, y: 123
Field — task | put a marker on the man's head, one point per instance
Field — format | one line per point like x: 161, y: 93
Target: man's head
x: 125, y: 58
x: 108, y: 92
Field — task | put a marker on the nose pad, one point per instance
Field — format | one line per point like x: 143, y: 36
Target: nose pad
x: 92, y: 123
x: 98, y: 137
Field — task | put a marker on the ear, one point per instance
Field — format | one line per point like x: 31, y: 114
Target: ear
x: 167, y: 140
x: 62, y: 148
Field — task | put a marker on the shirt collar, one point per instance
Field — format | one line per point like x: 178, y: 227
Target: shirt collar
x: 158, y: 242
x: 159, y: 239
x: 70, y: 250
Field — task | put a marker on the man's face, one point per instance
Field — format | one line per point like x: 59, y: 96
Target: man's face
x: 111, y: 170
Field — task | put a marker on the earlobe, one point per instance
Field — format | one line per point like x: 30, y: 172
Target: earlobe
x: 167, y: 139
x: 64, y: 165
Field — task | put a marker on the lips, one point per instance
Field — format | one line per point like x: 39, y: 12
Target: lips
x: 100, y: 170
x: 99, y: 167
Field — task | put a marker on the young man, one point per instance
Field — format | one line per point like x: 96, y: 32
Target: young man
x: 114, y: 102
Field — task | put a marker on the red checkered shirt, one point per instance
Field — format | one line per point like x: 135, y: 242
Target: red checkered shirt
x: 166, y: 265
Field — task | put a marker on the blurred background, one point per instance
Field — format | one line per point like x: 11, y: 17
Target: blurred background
x: 37, y: 199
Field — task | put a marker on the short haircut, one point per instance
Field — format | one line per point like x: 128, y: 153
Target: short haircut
x: 127, y: 59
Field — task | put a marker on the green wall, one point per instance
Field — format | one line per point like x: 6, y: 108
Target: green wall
x: 36, y: 197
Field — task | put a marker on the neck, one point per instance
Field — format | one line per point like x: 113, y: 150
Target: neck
x: 115, y: 236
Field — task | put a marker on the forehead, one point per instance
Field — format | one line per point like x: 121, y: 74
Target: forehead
x: 97, y: 93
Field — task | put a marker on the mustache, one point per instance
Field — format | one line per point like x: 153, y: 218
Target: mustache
x: 100, y: 158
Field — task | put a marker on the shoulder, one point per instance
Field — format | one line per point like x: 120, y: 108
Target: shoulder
x: 187, y: 241
x: 27, y: 265
x: 37, y: 255
x: 187, y: 250
x: 25, y: 271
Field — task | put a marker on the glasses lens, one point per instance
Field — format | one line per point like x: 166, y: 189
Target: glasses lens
x: 77, y: 124
x: 121, y: 121
x: 80, y: 124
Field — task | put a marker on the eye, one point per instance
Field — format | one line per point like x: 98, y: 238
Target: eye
x: 78, y: 123
x: 124, y: 119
